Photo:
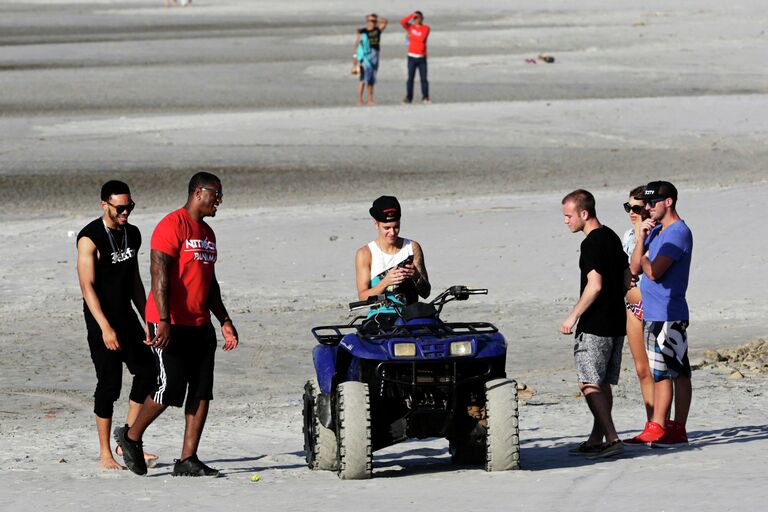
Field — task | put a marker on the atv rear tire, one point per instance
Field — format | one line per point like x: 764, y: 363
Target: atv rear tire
x: 503, y: 438
x: 320, y: 448
x: 353, y: 413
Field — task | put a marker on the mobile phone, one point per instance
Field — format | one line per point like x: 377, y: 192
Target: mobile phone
x: 406, y: 261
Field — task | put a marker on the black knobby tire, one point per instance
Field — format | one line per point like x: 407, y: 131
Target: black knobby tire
x: 353, y: 407
x: 503, y: 437
x: 320, y: 450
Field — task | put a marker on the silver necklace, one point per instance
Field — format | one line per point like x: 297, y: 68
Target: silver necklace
x: 118, y: 255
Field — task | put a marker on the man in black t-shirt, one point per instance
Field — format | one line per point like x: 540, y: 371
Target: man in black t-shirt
x: 108, y: 272
x: 601, y: 318
x: 366, y: 57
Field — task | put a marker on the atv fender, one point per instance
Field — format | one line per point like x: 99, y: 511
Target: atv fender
x: 323, y: 410
x: 324, y: 358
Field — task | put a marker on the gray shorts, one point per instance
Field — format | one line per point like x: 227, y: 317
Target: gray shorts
x: 598, y: 358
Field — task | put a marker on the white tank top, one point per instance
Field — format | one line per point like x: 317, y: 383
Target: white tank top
x: 381, y: 261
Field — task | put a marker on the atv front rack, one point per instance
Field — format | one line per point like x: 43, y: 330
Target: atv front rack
x: 332, y: 334
x: 438, y: 330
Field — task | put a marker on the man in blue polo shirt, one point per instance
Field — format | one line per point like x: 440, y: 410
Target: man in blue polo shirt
x: 663, y: 254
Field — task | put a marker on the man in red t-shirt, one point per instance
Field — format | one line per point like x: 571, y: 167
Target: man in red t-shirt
x: 184, y: 293
x: 417, y: 54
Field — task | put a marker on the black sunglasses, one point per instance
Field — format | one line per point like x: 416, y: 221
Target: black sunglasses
x: 216, y: 192
x: 121, y: 208
x: 653, y: 202
x: 634, y: 208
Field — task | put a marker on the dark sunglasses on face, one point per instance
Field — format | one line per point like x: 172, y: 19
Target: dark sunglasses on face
x: 654, y: 202
x: 121, y: 208
x: 634, y: 208
x: 217, y: 193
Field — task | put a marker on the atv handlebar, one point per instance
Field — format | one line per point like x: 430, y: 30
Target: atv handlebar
x: 373, y: 300
x: 457, y: 292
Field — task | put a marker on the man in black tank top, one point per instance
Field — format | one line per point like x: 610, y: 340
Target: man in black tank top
x: 369, y: 65
x: 108, y: 271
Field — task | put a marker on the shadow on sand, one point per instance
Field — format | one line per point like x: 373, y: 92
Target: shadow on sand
x: 537, y: 454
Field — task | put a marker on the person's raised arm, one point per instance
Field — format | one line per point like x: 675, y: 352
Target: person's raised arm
x: 86, y: 274
x: 641, y: 233
x: 655, y: 270
x: 383, y: 22
x: 216, y: 305
x: 406, y: 22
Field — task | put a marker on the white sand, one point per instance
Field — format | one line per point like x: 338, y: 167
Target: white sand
x: 481, y: 176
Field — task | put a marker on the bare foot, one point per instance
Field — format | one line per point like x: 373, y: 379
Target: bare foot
x: 109, y: 463
x: 149, y: 458
x: 359, y: 103
x: 371, y: 102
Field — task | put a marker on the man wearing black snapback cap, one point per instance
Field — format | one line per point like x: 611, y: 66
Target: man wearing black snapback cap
x: 390, y: 264
x: 663, y: 253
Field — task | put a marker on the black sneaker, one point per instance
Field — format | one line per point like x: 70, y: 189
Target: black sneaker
x: 613, y: 449
x: 586, y: 449
x: 133, y: 451
x: 191, y: 466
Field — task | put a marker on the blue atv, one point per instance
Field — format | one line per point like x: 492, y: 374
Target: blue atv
x: 420, y: 378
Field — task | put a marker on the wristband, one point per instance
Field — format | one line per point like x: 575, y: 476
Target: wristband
x: 166, y: 320
x: 227, y: 319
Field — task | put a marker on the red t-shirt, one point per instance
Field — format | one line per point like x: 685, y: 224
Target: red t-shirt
x: 192, y: 245
x: 417, y: 36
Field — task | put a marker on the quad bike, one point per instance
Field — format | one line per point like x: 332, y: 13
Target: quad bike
x: 420, y: 378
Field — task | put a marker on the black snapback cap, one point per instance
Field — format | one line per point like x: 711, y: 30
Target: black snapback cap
x: 385, y: 209
x: 658, y: 190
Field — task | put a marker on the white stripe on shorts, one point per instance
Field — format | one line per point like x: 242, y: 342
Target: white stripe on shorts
x: 158, y: 397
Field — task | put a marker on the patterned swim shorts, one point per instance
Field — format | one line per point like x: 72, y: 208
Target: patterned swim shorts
x: 598, y: 358
x: 666, y: 344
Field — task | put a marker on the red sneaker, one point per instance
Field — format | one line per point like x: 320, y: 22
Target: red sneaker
x: 652, y: 432
x: 674, y: 434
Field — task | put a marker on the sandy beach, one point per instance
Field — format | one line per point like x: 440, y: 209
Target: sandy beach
x: 260, y: 94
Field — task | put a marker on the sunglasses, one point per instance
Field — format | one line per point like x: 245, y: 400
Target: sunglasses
x: 634, y: 208
x: 653, y: 202
x: 122, y: 208
x: 371, y: 20
x: 218, y: 193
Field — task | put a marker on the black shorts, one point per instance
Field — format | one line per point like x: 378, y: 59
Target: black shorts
x: 109, y: 365
x: 185, y: 365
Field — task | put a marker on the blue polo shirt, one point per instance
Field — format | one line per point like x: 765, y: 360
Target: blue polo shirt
x: 664, y: 299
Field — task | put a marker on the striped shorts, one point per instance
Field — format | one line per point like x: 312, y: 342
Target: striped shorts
x: 666, y: 344
x: 185, y: 366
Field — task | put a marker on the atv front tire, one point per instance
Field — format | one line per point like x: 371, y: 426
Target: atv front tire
x: 503, y: 437
x: 353, y: 413
x: 320, y: 450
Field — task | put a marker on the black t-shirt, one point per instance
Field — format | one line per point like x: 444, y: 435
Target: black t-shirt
x: 116, y: 267
x: 374, y: 37
x: 601, y: 251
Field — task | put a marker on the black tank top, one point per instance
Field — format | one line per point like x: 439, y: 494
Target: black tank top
x: 116, y: 266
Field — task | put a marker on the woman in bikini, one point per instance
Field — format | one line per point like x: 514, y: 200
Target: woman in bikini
x: 635, y: 208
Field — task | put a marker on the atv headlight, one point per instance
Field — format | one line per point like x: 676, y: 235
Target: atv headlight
x: 461, y: 348
x: 404, y: 349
